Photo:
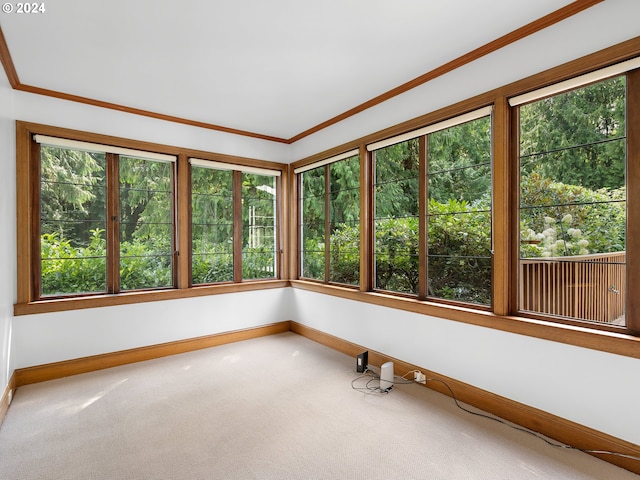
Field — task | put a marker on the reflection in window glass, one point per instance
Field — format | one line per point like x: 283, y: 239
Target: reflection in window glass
x: 211, y: 225
x: 573, y: 204
x: 459, y: 212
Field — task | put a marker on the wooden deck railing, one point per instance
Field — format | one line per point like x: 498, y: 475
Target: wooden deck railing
x: 587, y: 287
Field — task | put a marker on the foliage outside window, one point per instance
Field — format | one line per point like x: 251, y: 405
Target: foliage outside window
x: 73, y: 221
x: 75, y: 231
x: 259, y: 255
x: 211, y: 225
x: 233, y: 224
x: 330, y: 201
x: 459, y: 212
x: 146, y: 223
x: 312, y: 223
x: 573, y: 204
x: 457, y: 243
x: 396, y: 217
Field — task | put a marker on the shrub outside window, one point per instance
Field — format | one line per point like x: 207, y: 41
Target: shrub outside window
x: 91, y: 243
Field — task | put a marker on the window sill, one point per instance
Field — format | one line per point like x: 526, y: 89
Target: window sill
x: 612, y: 342
x: 78, y: 303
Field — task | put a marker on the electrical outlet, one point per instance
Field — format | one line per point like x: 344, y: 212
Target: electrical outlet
x: 419, y: 377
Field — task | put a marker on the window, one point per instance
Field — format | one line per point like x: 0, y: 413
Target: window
x: 106, y: 219
x: 73, y: 221
x: 233, y: 223
x: 454, y: 192
x: 573, y: 204
x: 99, y: 218
x: 396, y: 217
x: 259, y: 241
x: 312, y: 223
x: 146, y: 223
x: 211, y: 225
x: 459, y: 212
x: 330, y: 202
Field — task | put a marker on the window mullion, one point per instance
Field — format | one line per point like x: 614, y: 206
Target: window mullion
x: 632, y: 309
x: 182, y: 223
x: 35, y: 222
x: 113, y: 223
x: 366, y: 220
x: 503, y: 274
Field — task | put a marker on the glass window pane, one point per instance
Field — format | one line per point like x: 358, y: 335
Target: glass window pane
x: 258, y: 226
x: 312, y: 224
x: 211, y: 225
x: 396, y: 217
x: 459, y: 212
x: 146, y: 226
x: 72, y: 221
x: 344, y: 204
x: 573, y: 204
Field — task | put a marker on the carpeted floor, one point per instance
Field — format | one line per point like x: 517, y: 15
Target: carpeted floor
x: 279, y: 407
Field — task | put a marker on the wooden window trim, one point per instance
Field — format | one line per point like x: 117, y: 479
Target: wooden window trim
x: 27, y: 210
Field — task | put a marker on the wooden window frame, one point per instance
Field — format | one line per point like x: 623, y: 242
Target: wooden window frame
x: 28, y: 255
x: 326, y: 166
x: 423, y: 214
x: 504, y: 314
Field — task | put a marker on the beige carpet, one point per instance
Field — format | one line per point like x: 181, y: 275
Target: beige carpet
x: 279, y: 407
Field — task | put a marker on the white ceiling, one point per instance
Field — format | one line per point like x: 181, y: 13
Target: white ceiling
x: 273, y: 67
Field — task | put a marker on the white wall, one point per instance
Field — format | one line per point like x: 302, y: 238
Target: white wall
x: 54, y: 337
x: 592, y: 388
x: 8, y: 231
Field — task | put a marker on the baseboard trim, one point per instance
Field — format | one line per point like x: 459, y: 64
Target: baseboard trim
x: 51, y: 371
x: 558, y: 428
x: 7, y: 395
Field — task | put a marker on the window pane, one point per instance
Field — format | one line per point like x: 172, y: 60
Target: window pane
x: 396, y: 217
x: 146, y: 242
x: 459, y: 212
x: 72, y: 221
x: 573, y: 204
x: 344, y: 243
x: 211, y: 225
x: 312, y: 224
x: 258, y: 226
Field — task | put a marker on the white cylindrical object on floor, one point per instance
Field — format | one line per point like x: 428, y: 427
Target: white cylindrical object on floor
x: 386, y: 376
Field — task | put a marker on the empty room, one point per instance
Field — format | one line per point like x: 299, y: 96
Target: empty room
x: 339, y: 239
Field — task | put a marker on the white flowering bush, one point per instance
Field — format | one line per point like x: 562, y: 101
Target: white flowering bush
x: 575, y: 220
